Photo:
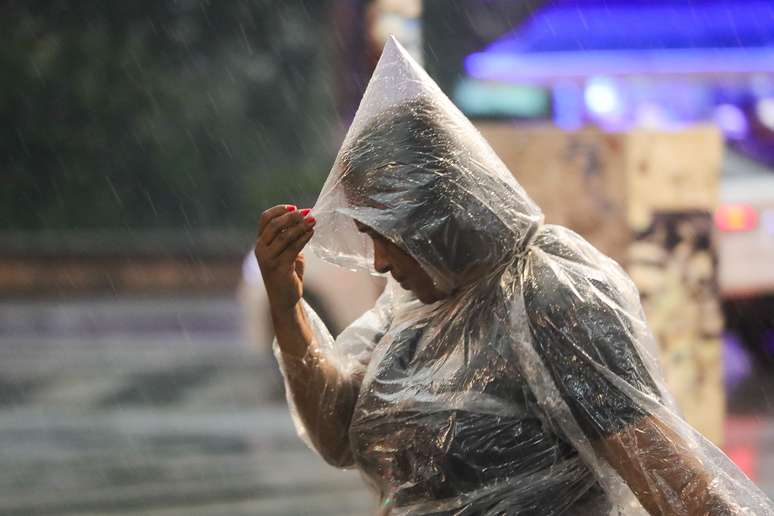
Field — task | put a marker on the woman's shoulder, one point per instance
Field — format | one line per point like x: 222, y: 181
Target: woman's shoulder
x: 563, y: 242
x: 566, y: 273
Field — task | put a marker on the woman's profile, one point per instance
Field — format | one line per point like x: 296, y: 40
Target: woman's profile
x: 507, y: 368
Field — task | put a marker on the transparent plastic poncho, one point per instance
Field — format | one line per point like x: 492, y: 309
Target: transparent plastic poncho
x: 532, y: 387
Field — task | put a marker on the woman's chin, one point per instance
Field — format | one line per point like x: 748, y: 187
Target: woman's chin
x: 428, y: 298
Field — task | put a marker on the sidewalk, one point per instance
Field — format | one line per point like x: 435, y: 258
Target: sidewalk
x: 150, y: 407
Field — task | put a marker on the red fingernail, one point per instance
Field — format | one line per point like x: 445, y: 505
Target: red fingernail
x: 311, y: 220
x: 305, y: 212
x: 290, y: 207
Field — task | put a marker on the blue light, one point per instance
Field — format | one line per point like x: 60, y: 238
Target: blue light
x: 731, y: 121
x: 567, y: 105
x: 591, y: 25
x: 539, y: 68
x: 583, y: 38
x: 602, y: 97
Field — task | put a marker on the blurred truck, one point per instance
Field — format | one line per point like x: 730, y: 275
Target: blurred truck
x: 745, y: 223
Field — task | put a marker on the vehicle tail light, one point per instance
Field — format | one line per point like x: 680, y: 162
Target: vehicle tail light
x: 736, y: 217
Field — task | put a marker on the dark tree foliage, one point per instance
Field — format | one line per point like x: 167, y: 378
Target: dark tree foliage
x: 160, y: 113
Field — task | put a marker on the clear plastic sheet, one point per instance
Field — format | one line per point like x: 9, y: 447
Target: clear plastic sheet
x: 531, y: 388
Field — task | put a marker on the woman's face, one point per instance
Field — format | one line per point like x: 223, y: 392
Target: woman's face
x: 388, y: 257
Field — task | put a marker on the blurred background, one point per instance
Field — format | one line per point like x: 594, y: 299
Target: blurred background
x: 140, y: 141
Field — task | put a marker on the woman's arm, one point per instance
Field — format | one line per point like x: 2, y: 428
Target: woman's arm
x: 589, y: 340
x: 323, y: 396
x: 662, y: 470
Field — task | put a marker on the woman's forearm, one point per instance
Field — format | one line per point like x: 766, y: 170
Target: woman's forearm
x: 324, y: 397
x: 293, y: 331
x: 663, y: 471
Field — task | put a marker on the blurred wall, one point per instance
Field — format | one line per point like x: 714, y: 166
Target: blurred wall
x: 644, y: 198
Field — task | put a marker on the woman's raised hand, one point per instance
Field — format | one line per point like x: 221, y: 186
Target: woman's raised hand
x: 282, y: 232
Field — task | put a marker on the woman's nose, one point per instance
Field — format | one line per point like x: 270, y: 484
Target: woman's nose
x: 381, y: 264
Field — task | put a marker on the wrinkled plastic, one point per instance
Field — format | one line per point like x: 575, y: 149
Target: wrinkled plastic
x: 532, y: 386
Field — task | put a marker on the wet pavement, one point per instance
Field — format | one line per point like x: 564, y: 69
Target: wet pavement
x: 160, y: 407
x: 150, y: 407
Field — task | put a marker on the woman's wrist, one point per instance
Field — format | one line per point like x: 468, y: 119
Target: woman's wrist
x: 719, y: 505
x: 290, y: 326
x: 707, y: 499
x: 281, y: 300
x: 284, y: 314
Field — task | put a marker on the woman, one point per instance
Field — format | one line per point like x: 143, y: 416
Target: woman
x: 507, y: 368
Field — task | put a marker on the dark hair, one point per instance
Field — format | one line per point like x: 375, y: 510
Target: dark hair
x: 410, y: 163
x: 402, y: 148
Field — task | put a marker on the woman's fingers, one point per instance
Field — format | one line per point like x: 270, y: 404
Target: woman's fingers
x: 290, y: 235
x: 293, y: 249
x: 278, y: 225
x: 283, y: 232
x: 273, y: 212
